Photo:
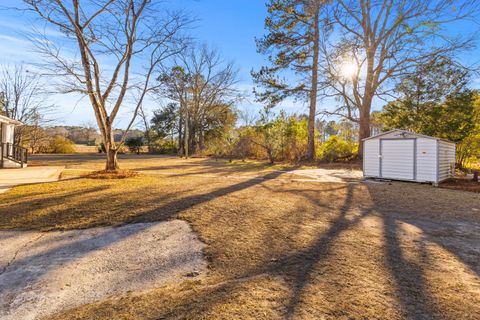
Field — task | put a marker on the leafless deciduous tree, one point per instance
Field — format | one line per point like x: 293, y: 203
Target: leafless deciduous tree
x: 375, y: 42
x: 145, y: 123
x: 247, y: 116
x: 204, y: 87
x: 25, y: 100
x: 118, y: 46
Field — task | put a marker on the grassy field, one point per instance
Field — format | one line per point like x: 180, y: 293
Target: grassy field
x: 146, y: 162
x: 173, y: 165
x: 277, y: 249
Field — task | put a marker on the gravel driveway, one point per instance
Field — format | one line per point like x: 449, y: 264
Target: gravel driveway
x: 330, y: 175
x: 43, y: 273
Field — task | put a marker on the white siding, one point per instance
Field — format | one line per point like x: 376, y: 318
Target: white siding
x: 7, y: 132
x: 433, y: 159
x: 426, y: 160
x: 371, y: 162
x: 398, y: 158
x: 446, y: 160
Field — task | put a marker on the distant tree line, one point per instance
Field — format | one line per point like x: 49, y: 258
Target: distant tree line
x: 275, y: 137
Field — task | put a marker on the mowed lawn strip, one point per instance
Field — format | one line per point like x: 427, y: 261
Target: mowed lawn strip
x: 281, y: 249
x: 171, y: 165
x: 167, y: 163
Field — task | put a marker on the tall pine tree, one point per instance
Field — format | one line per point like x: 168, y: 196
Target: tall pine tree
x: 292, y: 45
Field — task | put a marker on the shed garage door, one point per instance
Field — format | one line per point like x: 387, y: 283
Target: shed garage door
x: 398, y: 159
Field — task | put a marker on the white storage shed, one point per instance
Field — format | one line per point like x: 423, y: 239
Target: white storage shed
x: 405, y: 155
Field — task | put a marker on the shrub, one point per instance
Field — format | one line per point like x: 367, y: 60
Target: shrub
x: 244, y: 147
x: 60, y: 144
x: 471, y: 164
x: 337, y: 149
x: 232, y: 143
x: 164, y: 146
x: 101, y: 149
x: 295, y: 141
x: 134, y: 144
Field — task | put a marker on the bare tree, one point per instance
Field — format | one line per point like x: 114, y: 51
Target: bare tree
x: 174, y: 84
x: 212, y: 88
x: 247, y: 116
x: 119, y: 46
x: 373, y: 43
x: 204, y: 86
x: 24, y: 99
x: 145, y: 122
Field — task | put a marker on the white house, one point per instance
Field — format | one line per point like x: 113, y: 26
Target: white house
x: 405, y: 155
x: 11, y: 155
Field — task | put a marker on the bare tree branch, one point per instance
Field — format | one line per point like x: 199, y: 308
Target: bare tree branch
x: 114, y: 40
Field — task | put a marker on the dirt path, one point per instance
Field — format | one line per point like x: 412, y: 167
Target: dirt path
x: 44, y: 273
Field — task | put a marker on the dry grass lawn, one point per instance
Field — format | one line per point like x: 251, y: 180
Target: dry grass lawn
x: 278, y: 249
x: 158, y: 164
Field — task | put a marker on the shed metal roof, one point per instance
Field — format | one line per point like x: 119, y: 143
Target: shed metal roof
x: 406, y: 132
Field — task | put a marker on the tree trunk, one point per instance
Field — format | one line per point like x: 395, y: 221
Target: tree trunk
x: 192, y: 136
x: 366, y: 104
x: 201, y: 140
x: 109, y: 142
x: 192, y: 145
x: 313, y: 89
x: 180, y: 136
x: 112, y: 162
x: 364, y: 130
x: 186, y: 135
x: 271, y: 158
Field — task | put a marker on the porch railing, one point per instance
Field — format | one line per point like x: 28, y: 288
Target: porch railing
x: 14, y: 153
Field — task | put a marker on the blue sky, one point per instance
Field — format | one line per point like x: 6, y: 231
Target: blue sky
x: 229, y: 26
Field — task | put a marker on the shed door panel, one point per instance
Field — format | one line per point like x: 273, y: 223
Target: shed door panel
x: 398, y: 159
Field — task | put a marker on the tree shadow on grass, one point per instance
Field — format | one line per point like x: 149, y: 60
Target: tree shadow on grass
x: 411, y: 288
x: 408, y: 265
x: 305, y: 261
x: 408, y: 275
x: 12, y: 214
x: 297, y: 267
x: 442, y: 235
x: 439, y: 216
x: 102, y: 239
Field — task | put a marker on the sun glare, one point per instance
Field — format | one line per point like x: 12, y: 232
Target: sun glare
x: 349, y: 70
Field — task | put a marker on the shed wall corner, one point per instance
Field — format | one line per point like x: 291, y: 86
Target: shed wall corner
x: 371, y: 160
